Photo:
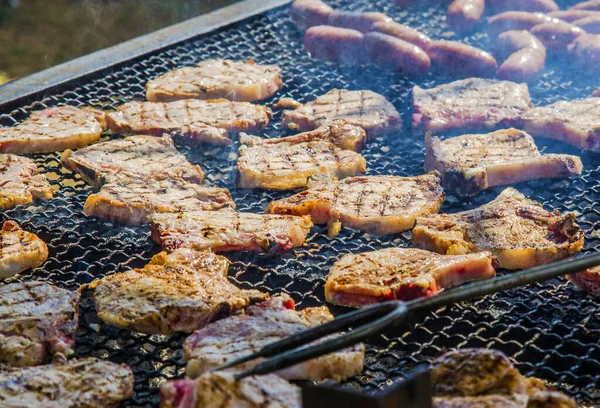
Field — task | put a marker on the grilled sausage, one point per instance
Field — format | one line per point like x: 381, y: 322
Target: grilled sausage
x: 394, y: 53
x: 516, y: 20
x: 461, y: 60
x: 590, y: 25
x: 402, y: 32
x: 571, y: 15
x: 464, y: 15
x: 588, y: 5
x: 596, y: 93
x: 543, y: 6
x: 510, y: 42
x: 334, y: 44
x: 523, y: 65
x: 309, y: 13
x: 557, y: 36
x: 356, y: 20
x: 585, y: 50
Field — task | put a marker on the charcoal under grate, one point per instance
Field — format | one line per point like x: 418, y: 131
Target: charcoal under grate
x: 550, y: 330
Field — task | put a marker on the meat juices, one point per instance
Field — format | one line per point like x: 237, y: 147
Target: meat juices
x: 543, y: 6
x: 461, y: 60
x: 557, y: 35
x: 524, y: 54
x: 19, y: 250
x: 402, y: 32
x: 587, y: 5
x: 309, y: 13
x: 359, y: 21
x: 396, y: 54
x: 21, y: 182
x: 590, y: 25
x: 465, y: 15
x: 516, y: 20
x: 335, y: 44
x: 585, y: 50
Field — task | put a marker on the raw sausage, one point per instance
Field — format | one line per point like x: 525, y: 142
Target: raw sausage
x: 403, y: 32
x: 510, y: 42
x: 588, y: 5
x: 516, y: 20
x: 334, y: 44
x: 544, y: 6
x: 309, y: 13
x: 557, y: 36
x: 356, y: 20
x: 394, y: 53
x: 461, y: 60
x: 571, y: 15
x: 590, y: 25
x: 585, y: 50
x: 464, y: 15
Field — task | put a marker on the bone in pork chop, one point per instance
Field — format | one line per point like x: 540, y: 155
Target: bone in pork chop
x: 367, y: 109
x: 191, y: 120
x: 471, y: 163
x: 36, y: 320
x: 290, y: 162
x: 518, y: 231
x: 173, y: 293
x: 20, y: 182
x: 19, y: 250
x: 576, y: 122
x: 262, y: 324
x: 84, y: 383
x: 215, y: 79
x: 358, y: 280
x: 374, y: 204
x: 229, y: 231
x: 53, y: 129
x: 468, y: 104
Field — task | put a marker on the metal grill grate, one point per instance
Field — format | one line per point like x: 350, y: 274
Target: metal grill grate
x: 551, y: 330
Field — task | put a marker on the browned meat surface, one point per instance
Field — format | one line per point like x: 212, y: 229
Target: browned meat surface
x: 523, y: 54
x: 461, y: 60
x: 84, y: 383
x: 588, y: 280
x: 402, y: 32
x: 215, y: 79
x: 374, y: 204
x: 367, y: 109
x: 37, y: 320
x: 587, y: 5
x: 260, y: 325
x: 290, y: 162
x: 518, y: 231
x: 309, y: 13
x: 517, y: 20
x: 178, y: 292
x: 576, y: 122
x: 557, y: 35
x: 358, y: 280
x: 19, y: 250
x: 20, y: 182
x: 471, y: 163
x: 335, y: 44
x: 192, y: 120
x: 393, y: 53
x: 469, y: 104
x: 229, y: 231
x: 356, y: 20
x: 585, y: 51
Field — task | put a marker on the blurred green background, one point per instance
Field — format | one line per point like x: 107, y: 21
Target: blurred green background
x: 37, y: 34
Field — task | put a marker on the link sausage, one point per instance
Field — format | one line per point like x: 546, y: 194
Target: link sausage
x: 334, y: 44
x: 461, y: 60
x: 588, y: 5
x: 394, y: 53
x: 309, y: 13
x: 510, y: 42
x: 543, y: 6
x: 516, y: 20
x: 571, y: 15
x: 557, y: 36
x: 402, y: 32
x: 523, y: 65
x: 585, y: 50
x: 590, y: 25
x: 356, y: 20
x: 464, y: 15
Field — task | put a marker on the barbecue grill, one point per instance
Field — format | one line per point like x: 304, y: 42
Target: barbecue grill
x: 550, y: 330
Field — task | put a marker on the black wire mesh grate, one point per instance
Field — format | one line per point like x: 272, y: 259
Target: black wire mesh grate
x: 551, y: 330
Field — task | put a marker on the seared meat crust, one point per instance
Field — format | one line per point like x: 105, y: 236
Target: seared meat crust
x: 20, y: 182
x: 19, y: 250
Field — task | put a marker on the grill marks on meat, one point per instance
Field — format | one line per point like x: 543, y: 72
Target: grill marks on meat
x: 228, y: 231
x: 36, y: 320
x: 53, y: 129
x: 84, y: 383
x: 194, y: 121
x: 19, y: 250
x: 215, y: 79
x: 290, y: 162
x: 374, y: 204
x: 20, y: 182
x: 471, y: 163
x: 173, y: 293
x: 518, y: 231
x: 358, y: 280
x: 262, y: 324
x: 367, y: 109
x: 468, y: 104
x: 576, y: 122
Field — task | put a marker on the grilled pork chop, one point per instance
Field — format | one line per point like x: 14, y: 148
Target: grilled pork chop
x: 20, y: 182
x: 36, y: 320
x: 221, y: 390
x: 136, y: 157
x: 84, y: 383
x: 471, y: 163
x: 472, y: 103
x: 261, y: 324
x: 358, y: 280
x: 217, y: 78
x: 53, y: 129
x: 290, y: 162
x: 576, y: 122
x: 374, y: 204
x: 520, y: 232
x: 194, y: 121
x: 229, y: 231
x: 173, y: 293
x: 367, y: 109
x: 19, y: 250
x: 588, y: 280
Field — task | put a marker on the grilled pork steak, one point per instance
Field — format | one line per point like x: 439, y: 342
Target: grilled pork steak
x: 53, y: 129
x: 290, y: 162
x: 261, y: 324
x: 374, y: 204
x: 194, y: 121
x: 471, y: 163
x: 520, y: 232
x: 367, y: 109
x: 588, y: 280
x: 84, y: 383
x: 468, y: 104
x: 36, y: 320
x: 217, y: 78
x: 20, y: 182
x: 358, y: 280
x: 19, y: 250
x: 229, y: 231
x: 576, y: 122
x: 178, y: 292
